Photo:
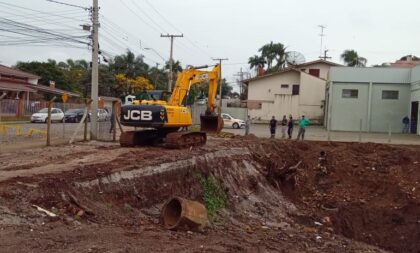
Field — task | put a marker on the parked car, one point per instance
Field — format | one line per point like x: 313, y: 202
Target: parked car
x: 74, y: 115
x: 102, y: 115
x: 57, y: 115
x: 230, y: 121
x: 202, y: 101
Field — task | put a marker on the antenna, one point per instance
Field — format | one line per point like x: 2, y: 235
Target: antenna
x: 321, y: 35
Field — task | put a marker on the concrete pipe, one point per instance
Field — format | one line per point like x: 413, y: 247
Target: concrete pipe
x: 180, y: 213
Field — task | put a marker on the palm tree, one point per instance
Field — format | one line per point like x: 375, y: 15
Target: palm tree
x: 352, y: 59
x: 280, y: 52
x: 130, y: 65
x: 268, y: 52
x: 257, y: 62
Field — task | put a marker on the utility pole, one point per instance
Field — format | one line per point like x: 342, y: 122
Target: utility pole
x: 94, y: 88
x: 325, y: 57
x: 172, y: 36
x: 219, y: 110
x: 321, y: 35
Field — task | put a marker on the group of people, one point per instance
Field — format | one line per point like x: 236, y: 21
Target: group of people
x: 286, y: 126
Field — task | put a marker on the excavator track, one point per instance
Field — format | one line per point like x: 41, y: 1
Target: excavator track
x: 185, y: 139
x: 139, y: 138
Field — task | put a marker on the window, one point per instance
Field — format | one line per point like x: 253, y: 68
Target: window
x: 295, y: 89
x: 54, y: 111
x: 390, y: 94
x: 348, y: 93
x: 285, y: 86
x: 314, y: 72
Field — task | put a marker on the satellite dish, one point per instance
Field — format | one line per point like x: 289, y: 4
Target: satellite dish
x: 294, y: 58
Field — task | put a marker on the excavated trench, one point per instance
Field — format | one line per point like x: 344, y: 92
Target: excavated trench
x: 263, y: 180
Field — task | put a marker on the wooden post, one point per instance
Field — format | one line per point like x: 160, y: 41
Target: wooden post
x: 87, y: 103
x: 49, y: 121
x: 114, y: 121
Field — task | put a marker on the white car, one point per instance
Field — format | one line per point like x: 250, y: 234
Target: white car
x: 102, y: 115
x: 202, y: 101
x: 230, y: 121
x: 42, y: 115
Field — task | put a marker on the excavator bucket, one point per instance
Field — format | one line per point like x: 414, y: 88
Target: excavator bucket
x: 211, y: 123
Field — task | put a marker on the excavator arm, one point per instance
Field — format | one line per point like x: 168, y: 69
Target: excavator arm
x: 194, y: 76
x: 210, y: 121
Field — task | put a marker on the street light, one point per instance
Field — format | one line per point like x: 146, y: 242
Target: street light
x: 149, y: 48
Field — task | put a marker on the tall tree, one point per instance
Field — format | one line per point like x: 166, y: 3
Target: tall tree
x: 274, y: 52
x: 129, y: 65
x: 352, y: 59
x: 256, y: 62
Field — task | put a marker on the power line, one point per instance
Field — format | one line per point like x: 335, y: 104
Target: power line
x: 51, y: 14
x: 145, y: 14
x: 67, y: 4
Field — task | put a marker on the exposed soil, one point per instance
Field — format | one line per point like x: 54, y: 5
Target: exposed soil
x: 280, y: 197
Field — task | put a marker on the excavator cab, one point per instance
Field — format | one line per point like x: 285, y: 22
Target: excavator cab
x: 211, y: 123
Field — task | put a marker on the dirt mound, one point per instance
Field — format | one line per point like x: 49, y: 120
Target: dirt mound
x: 278, y: 196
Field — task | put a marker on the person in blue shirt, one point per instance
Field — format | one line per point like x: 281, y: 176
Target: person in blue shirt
x: 303, y: 123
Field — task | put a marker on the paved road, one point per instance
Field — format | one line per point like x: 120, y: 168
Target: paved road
x: 319, y: 133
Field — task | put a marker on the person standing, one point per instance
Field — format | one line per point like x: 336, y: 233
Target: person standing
x: 302, y: 127
x: 247, y: 125
x: 273, y: 125
x: 406, y: 123
x: 283, y: 127
x: 290, y: 127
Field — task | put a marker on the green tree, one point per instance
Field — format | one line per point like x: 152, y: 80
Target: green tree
x: 256, y: 62
x: 48, y: 71
x: 352, y: 59
x: 129, y: 65
x: 274, y: 52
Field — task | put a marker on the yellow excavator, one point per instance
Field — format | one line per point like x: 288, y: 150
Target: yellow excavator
x: 162, y: 120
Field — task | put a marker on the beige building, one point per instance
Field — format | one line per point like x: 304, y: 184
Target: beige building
x: 297, y: 91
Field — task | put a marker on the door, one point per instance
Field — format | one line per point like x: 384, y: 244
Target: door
x: 55, y: 115
x: 227, y: 120
x: 414, y: 117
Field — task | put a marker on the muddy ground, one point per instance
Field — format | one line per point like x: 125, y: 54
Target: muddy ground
x: 280, y: 197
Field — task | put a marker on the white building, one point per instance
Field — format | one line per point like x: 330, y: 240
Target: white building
x: 297, y: 91
x: 373, y: 99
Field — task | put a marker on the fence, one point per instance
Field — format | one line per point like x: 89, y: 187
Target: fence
x: 16, y: 131
x: 236, y: 112
x: 11, y: 108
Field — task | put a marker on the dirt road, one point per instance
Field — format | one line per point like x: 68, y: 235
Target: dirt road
x: 108, y: 199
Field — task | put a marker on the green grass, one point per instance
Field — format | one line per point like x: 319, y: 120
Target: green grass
x: 214, y: 196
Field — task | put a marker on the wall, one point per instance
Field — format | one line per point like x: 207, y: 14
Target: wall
x: 389, y: 111
x: 282, y: 105
x: 323, y: 69
x: 345, y: 113
x: 265, y: 89
x: 236, y: 112
x: 312, y: 96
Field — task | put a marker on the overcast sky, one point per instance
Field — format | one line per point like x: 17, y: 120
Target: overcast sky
x: 379, y: 30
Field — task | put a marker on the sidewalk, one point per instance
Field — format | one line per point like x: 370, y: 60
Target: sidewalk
x: 319, y: 133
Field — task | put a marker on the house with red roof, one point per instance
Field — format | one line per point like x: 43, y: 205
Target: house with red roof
x: 18, y: 84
